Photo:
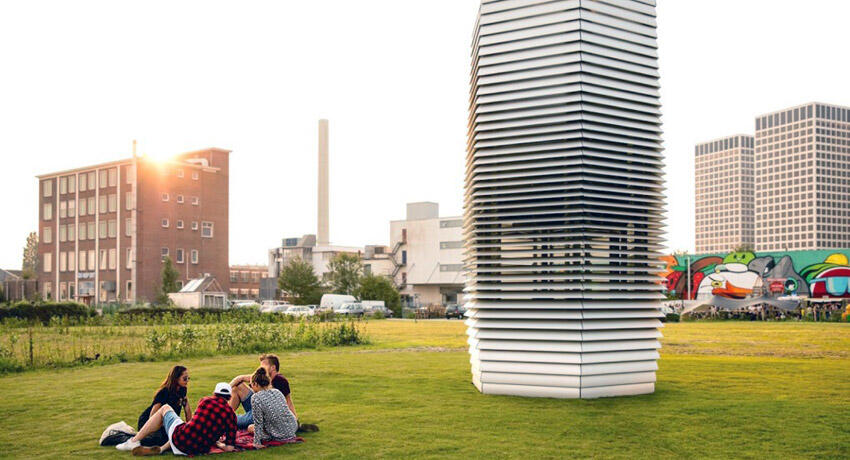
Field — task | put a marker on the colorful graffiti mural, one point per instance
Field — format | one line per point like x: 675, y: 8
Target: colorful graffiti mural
x: 745, y: 274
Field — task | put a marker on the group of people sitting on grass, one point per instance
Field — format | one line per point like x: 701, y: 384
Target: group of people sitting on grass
x: 264, y: 395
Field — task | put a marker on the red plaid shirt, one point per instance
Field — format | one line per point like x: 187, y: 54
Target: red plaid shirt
x: 212, y: 419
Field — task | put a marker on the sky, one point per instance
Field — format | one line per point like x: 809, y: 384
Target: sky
x: 79, y: 81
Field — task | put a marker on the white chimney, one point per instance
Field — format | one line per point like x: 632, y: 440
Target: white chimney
x: 323, y: 236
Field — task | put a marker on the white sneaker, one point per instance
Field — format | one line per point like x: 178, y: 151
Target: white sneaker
x: 128, y: 445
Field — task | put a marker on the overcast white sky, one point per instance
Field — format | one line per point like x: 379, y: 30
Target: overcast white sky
x: 80, y: 80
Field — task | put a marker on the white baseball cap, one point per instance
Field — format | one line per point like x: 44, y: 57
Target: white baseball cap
x: 222, y: 389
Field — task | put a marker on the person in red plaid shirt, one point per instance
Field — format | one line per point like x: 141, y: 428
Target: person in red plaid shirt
x: 213, y: 419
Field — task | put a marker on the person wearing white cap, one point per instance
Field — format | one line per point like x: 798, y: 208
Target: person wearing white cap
x: 212, y: 419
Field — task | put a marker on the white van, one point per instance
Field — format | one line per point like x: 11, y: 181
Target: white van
x: 332, y: 302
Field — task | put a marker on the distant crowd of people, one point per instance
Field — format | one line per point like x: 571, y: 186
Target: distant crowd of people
x: 264, y: 396
x: 763, y: 312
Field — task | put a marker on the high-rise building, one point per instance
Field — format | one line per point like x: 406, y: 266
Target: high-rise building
x: 563, y: 206
x: 724, y: 194
x: 802, y: 168
x: 105, y: 230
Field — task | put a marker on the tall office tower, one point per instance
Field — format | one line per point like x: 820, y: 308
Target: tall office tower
x: 105, y: 230
x: 563, y: 205
x: 802, y: 168
x: 724, y: 194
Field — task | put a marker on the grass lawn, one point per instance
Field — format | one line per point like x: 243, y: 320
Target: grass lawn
x: 725, y: 389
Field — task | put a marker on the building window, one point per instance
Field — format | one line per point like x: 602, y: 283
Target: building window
x: 233, y: 276
x: 113, y: 256
x: 92, y: 183
x: 164, y: 253
x: 194, y: 225
x: 92, y: 234
x: 113, y: 177
x: 47, y: 263
x: 47, y: 188
x: 206, y: 229
x: 128, y: 293
x: 130, y: 173
x: 180, y: 199
x: 63, y: 261
x: 92, y: 260
x: 195, y: 201
x: 92, y: 208
x: 63, y: 235
x: 113, y: 202
x: 48, y: 211
x: 179, y: 224
x: 72, y: 291
x: 103, y: 229
x: 72, y: 261
x: 128, y: 226
x: 83, y: 207
x: 195, y: 175
x: 179, y: 285
x: 48, y: 290
x: 63, y: 210
x: 72, y: 184
x: 72, y: 208
x: 130, y: 256
x: 103, y: 204
x: 164, y: 197
x: 129, y: 201
x: 72, y: 232
x: 63, y: 290
x: 103, y: 259
x: 194, y: 255
x: 113, y: 228
x: 47, y: 235
x: 83, y: 182
x: 164, y: 223
x: 104, y: 179
x: 180, y: 172
x: 63, y: 185
x: 180, y: 256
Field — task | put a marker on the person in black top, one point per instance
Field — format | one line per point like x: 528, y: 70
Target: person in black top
x: 173, y: 392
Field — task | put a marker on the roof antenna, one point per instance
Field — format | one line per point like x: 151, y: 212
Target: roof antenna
x: 134, y: 148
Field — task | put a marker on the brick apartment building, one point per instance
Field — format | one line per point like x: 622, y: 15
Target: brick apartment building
x: 245, y: 281
x: 104, y: 230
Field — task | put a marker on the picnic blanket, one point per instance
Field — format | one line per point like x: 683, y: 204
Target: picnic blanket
x: 245, y: 441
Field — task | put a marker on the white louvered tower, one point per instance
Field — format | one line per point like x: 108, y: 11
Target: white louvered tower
x: 564, y: 199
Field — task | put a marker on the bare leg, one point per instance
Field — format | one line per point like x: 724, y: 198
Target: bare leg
x: 165, y: 447
x: 154, y: 423
x: 238, y: 393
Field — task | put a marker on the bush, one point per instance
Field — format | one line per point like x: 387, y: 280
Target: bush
x: 45, y: 311
x: 671, y: 318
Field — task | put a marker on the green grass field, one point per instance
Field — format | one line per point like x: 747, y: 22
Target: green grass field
x: 725, y: 390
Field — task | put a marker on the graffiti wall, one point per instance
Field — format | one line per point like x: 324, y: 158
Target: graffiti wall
x: 742, y: 275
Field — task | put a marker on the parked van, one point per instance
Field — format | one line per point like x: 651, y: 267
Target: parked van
x: 332, y: 302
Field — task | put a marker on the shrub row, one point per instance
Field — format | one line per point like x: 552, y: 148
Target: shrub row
x: 43, y: 311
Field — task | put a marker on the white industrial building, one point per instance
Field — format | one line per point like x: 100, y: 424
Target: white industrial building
x: 564, y: 199
x: 428, y: 250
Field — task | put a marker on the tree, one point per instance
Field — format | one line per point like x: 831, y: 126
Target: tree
x: 375, y: 287
x: 344, y: 272
x: 298, y: 280
x: 29, y: 266
x: 169, y: 282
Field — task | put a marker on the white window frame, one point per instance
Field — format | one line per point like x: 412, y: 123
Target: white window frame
x: 130, y: 254
x: 179, y: 224
x: 47, y: 211
x: 113, y: 202
x: 164, y: 196
x: 180, y: 199
x: 180, y: 256
x: 204, y: 226
x: 83, y: 209
x: 113, y: 177
x: 63, y: 209
x: 103, y: 178
x: 194, y: 256
x: 164, y: 222
x: 47, y: 188
x: 63, y: 185
x: 47, y: 263
x: 47, y: 235
x: 163, y: 253
x: 83, y: 182
x: 195, y: 225
x: 196, y: 201
x: 112, y: 228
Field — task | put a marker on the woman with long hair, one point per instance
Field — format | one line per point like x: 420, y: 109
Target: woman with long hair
x: 172, y: 391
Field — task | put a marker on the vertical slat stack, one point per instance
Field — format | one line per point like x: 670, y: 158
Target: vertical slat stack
x: 564, y: 199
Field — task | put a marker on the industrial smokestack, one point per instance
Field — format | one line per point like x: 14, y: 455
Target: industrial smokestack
x: 322, y: 232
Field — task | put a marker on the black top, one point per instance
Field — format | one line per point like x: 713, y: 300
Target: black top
x: 164, y: 396
x: 280, y: 383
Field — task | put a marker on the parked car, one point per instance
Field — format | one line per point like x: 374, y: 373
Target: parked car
x: 299, y: 310
x: 274, y: 306
x: 350, y: 309
x: 244, y: 304
x: 454, y: 310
